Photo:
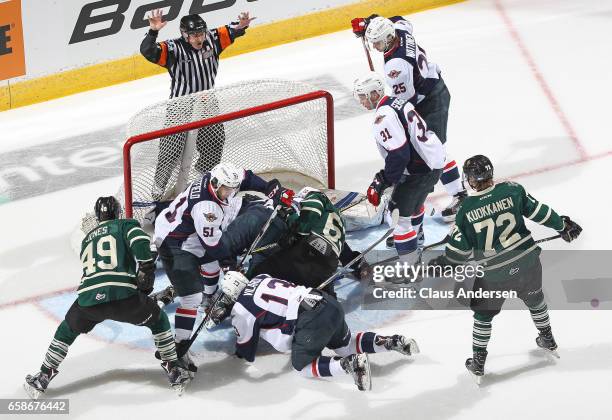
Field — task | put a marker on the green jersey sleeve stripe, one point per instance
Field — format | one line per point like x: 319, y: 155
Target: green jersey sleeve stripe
x: 312, y: 200
x: 139, y: 238
x: 312, y: 209
x: 537, y: 209
x: 137, y: 229
x: 546, y: 217
x: 107, y: 273
x: 110, y: 283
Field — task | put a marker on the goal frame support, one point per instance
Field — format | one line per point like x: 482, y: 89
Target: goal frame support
x: 311, y: 96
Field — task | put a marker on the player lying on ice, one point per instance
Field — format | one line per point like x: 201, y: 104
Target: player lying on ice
x: 490, y: 225
x: 118, y: 275
x: 303, y: 321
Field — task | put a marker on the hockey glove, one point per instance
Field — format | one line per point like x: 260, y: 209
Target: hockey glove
x: 378, y: 185
x: 360, y: 267
x: 146, y: 277
x: 359, y: 26
x: 228, y: 264
x: 571, y: 230
x: 278, y: 194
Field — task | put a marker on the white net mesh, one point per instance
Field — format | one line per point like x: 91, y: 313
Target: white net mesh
x: 289, y: 143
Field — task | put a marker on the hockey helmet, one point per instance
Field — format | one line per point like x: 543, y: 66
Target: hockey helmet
x: 380, y: 33
x: 233, y: 284
x: 364, y: 86
x: 477, y: 169
x: 107, y: 208
x: 226, y: 174
x: 192, y: 24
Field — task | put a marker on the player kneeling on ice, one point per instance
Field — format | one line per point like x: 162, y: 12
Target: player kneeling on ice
x: 490, y: 225
x: 118, y: 275
x: 303, y: 321
x: 414, y: 160
x: 188, y: 233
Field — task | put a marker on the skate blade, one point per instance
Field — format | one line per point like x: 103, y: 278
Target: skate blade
x: 32, y: 392
x: 178, y: 389
x: 477, y: 378
x: 414, y: 347
x: 552, y: 353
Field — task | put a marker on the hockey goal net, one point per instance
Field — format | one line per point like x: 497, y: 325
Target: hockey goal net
x: 277, y: 128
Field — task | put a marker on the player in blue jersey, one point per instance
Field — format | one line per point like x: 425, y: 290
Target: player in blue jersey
x: 414, y: 158
x: 189, y: 230
x: 413, y: 77
x: 302, y: 321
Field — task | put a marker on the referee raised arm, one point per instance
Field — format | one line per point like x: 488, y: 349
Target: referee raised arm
x: 192, y: 60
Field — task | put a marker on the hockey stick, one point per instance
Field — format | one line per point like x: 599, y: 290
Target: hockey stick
x: 220, y: 295
x: 367, y: 53
x: 336, y: 276
x: 550, y: 238
x: 263, y: 231
x: 445, y: 240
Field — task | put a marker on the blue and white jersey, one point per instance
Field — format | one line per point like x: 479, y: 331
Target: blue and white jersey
x: 194, y: 219
x: 266, y: 308
x: 407, y: 71
x: 404, y: 141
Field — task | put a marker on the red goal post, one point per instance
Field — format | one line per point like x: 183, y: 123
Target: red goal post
x: 269, y: 115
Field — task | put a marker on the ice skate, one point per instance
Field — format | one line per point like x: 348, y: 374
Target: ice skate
x: 399, y: 343
x: 36, y: 385
x: 475, y: 365
x: 546, y: 341
x: 178, y: 376
x: 358, y: 366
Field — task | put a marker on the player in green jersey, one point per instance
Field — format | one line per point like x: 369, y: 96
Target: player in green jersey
x: 490, y: 228
x: 319, y: 242
x: 118, y: 275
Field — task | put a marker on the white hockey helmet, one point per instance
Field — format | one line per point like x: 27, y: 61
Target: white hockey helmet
x: 226, y: 174
x: 233, y: 284
x: 380, y: 33
x: 367, y: 84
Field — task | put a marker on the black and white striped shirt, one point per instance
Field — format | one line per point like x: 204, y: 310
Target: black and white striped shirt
x: 191, y: 70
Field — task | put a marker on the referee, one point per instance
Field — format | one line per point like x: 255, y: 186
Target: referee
x: 192, y: 60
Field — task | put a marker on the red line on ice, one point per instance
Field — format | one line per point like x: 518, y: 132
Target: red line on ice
x: 541, y: 81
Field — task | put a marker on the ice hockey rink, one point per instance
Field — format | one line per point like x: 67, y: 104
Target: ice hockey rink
x: 530, y: 83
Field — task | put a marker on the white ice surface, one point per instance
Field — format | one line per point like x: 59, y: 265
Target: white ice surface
x: 499, y: 108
